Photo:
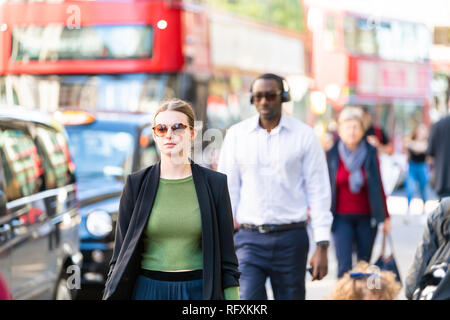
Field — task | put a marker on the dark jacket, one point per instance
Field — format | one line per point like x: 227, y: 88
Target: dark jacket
x: 220, y: 265
x: 377, y: 198
x: 432, y: 250
x: 439, y: 149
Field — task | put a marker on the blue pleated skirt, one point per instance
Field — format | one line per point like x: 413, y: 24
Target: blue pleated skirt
x: 147, y: 288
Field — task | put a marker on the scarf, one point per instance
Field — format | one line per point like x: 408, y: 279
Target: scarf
x: 353, y: 162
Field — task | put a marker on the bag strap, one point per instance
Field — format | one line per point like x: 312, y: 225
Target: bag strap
x: 391, y: 243
x: 383, y: 244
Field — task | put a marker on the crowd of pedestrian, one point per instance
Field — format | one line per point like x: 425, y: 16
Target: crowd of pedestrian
x: 187, y: 232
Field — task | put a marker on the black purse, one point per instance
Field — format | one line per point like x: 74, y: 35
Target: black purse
x: 387, y: 263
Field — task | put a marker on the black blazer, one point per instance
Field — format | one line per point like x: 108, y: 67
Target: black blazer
x: 220, y: 265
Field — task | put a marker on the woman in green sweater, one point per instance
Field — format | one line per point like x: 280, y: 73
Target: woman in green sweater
x: 184, y: 248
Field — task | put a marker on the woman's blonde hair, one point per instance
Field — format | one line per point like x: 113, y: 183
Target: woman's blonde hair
x: 352, y: 113
x: 347, y: 288
x: 180, y: 106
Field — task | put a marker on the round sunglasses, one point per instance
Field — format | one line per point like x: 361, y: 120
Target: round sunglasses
x: 177, y: 128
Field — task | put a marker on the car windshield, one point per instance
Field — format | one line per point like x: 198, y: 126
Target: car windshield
x: 99, y: 153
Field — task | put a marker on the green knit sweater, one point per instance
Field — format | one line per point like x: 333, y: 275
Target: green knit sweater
x: 173, y: 234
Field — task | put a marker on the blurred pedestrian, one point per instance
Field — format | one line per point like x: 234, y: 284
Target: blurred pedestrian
x: 366, y: 282
x: 439, y: 151
x: 358, y: 199
x: 416, y: 147
x: 429, y: 275
x: 374, y: 134
x: 174, y: 237
x: 276, y: 170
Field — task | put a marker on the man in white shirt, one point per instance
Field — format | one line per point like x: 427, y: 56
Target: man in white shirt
x: 277, y: 173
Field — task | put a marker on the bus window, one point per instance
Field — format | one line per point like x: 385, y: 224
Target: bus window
x: 56, y: 42
x: 360, y: 36
x: 350, y: 40
x: 330, y: 34
x: 366, y: 38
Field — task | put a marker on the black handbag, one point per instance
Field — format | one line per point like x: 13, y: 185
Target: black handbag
x: 387, y: 263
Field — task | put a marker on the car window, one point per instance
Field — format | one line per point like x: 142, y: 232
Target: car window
x: 101, y: 153
x: 56, y: 157
x: 147, y: 149
x: 22, y: 164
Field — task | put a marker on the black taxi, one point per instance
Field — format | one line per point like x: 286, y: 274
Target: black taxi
x: 39, y: 221
x: 106, y: 147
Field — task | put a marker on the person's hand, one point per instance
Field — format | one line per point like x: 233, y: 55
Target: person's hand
x: 236, y: 225
x: 386, y: 228
x: 319, y: 263
x: 373, y: 140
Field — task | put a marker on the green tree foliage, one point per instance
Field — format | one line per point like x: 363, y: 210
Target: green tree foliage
x: 285, y: 13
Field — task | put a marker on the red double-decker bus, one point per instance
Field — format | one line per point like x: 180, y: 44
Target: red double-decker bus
x: 131, y: 55
x: 121, y: 55
x: 378, y: 62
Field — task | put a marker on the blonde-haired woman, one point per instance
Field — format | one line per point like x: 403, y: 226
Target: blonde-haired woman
x: 358, y: 199
x: 174, y: 236
x: 366, y: 282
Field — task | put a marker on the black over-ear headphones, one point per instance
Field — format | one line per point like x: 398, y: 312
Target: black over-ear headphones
x: 285, y: 91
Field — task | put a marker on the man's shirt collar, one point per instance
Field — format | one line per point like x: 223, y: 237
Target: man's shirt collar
x: 284, y: 123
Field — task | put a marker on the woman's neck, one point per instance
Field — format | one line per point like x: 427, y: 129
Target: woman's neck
x: 175, y: 168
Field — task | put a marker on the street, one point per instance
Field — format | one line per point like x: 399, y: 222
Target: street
x: 293, y: 103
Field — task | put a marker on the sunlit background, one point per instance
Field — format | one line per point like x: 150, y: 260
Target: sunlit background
x: 390, y: 55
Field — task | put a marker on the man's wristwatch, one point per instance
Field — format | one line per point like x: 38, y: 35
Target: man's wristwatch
x: 323, y: 244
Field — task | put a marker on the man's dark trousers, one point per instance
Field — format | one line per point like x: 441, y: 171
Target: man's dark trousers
x: 282, y: 256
